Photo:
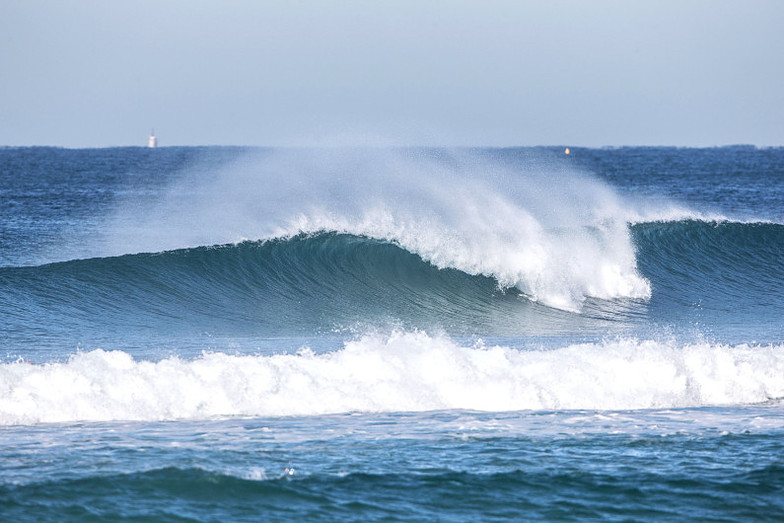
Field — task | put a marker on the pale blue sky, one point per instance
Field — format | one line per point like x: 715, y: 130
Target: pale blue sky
x: 102, y: 73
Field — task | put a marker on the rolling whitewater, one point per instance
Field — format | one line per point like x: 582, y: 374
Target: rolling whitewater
x: 226, y: 333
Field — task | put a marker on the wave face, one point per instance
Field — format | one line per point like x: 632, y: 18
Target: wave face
x: 401, y: 372
x: 305, y: 284
x: 720, y: 275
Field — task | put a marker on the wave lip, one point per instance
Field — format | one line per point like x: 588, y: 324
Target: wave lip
x: 405, y: 371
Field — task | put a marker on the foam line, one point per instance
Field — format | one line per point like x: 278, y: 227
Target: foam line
x: 404, y: 371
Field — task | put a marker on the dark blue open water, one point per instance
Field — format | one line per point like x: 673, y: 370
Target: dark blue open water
x: 217, y: 333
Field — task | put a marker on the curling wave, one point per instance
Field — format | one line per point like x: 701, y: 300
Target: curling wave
x: 304, y: 284
x: 555, y: 234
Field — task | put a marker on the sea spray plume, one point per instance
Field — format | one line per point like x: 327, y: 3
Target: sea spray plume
x: 555, y: 234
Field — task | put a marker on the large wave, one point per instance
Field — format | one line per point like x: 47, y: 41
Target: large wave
x: 404, y: 371
x: 302, y: 285
x: 317, y: 283
x: 553, y: 233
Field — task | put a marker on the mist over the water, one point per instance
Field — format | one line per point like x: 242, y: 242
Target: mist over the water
x: 556, y: 234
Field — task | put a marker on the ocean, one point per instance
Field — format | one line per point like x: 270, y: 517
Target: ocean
x: 397, y: 334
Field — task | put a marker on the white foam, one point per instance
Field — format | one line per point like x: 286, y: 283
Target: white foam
x: 557, y: 235
x: 403, y: 371
x: 666, y: 211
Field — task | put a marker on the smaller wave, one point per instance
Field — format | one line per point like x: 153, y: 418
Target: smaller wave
x: 732, y: 266
x: 404, y: 371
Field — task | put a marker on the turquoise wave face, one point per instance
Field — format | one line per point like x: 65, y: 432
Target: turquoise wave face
x: 726, y: 278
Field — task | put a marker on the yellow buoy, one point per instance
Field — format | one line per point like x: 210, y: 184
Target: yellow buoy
x: 567, y: 151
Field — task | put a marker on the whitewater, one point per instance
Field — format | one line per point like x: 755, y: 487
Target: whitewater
x: 401, y: 372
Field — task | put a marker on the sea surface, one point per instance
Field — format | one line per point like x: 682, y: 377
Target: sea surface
x: 363, y: 334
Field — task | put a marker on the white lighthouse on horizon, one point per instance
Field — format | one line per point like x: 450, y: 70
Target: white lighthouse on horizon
x: 152, y: 141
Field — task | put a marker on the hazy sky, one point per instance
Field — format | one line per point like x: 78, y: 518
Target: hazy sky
x: 101, y: 72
